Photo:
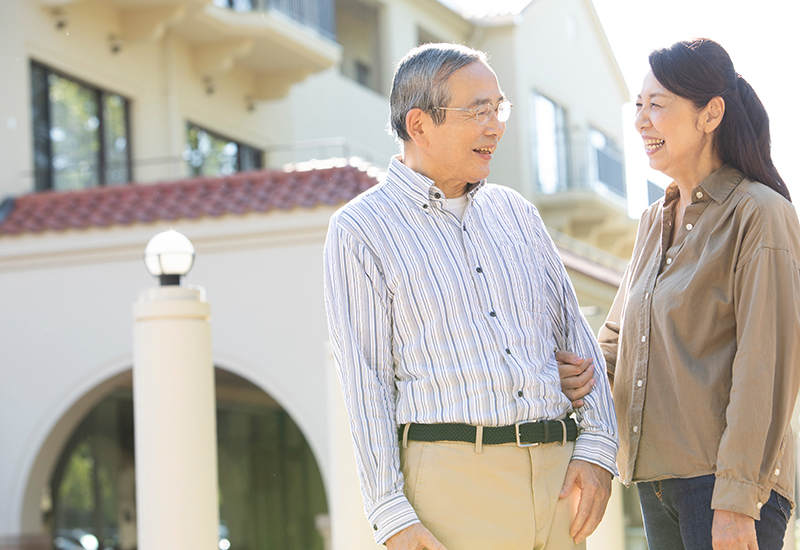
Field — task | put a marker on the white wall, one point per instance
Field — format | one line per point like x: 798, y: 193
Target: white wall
x: 66, y: 329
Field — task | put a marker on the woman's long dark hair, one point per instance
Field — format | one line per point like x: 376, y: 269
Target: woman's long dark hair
x: 700, y: 70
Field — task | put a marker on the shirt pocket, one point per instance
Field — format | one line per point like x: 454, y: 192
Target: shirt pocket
x: 524, y: 275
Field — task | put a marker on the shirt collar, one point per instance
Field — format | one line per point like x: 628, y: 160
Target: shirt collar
x: 416, y: 186
x: 718, y: 185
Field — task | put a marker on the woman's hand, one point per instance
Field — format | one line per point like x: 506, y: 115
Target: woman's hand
x: 576, y: 376
x: 733, y: 531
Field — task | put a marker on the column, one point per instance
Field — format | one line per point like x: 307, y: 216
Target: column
x: 174, y: 421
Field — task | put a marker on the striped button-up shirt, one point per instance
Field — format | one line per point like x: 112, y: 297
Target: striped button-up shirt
x: 435, y: 319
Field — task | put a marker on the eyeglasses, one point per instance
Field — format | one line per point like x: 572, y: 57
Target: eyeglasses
x: 483, y: 113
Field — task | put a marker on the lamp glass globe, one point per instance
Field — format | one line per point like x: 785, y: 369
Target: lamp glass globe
x: 169, y: 253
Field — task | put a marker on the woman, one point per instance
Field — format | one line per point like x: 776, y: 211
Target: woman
x: 703, y: 340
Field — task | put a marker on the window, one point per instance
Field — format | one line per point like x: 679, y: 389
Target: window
x: 608, y: 166
x: 209, y: 154
x: 362, y: 73
x: 81, y: 134
x: 549, y: 145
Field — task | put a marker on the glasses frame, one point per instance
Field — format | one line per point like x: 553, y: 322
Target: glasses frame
x: 476, y: 110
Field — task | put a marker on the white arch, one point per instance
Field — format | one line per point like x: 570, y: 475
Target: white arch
x: 45, y: 444
x: 267, y: 380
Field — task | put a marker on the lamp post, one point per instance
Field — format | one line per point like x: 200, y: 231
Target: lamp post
x: 174, y: 406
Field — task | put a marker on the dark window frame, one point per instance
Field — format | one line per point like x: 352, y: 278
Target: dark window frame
x: 239, y: 146
x: 43, y: 178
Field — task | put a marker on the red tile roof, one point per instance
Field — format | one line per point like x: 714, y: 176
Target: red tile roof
x: 239, y: 194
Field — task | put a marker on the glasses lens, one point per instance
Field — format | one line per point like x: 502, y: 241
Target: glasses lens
x: 484, y: 112
x: 503, y: 111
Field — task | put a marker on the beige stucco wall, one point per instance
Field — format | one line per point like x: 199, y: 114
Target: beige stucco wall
x: 158, y: 77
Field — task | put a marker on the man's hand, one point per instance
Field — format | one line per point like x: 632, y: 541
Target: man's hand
x: 594, y: 483
x: 733, y: 531
x: 576, y: 376
x: 414, y: 537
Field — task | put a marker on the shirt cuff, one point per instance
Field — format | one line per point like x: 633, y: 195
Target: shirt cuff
x: 390, y: 516
x: 739, y: 496
x: 598, y: 449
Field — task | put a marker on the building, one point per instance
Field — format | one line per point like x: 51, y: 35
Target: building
x: 192, y: 100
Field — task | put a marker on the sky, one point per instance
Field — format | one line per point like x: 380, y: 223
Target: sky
x: 763, y: 39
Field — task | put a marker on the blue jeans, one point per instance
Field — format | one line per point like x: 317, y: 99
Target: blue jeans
x: 678, y: 515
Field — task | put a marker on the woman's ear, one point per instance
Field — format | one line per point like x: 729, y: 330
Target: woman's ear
x: 712, y: 114
x: 416, y: 125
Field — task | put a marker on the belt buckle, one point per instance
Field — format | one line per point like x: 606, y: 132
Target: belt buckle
x: 516, y: 429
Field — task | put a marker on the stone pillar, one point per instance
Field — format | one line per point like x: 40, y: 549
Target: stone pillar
x: 174, y: 421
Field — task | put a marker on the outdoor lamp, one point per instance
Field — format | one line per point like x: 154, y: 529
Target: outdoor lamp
x: 168, y: 256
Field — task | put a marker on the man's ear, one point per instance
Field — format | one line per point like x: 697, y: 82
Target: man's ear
x: 417, y: 123
x: 711, y: 117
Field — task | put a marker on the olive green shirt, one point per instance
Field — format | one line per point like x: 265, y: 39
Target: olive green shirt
x: 703, y: 343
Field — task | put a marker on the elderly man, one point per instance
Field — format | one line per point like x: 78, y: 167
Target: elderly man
x: 446, y: 299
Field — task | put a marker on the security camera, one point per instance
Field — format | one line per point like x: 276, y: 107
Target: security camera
x: 115, y: 43
x: 209, y: 84
x: 60, y: 19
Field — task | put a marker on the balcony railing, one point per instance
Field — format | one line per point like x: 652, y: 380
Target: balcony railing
x: 319, y: 15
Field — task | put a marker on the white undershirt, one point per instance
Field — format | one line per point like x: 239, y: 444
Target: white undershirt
x: 457, y: 206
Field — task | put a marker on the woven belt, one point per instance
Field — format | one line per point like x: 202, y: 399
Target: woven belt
x: 524, y: 434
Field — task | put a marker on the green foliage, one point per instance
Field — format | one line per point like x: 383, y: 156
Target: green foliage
x: 76, y: 492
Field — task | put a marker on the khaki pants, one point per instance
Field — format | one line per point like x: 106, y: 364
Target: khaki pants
x: 503, y: 498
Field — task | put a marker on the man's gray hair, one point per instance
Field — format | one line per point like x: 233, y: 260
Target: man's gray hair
x: 420, y: 82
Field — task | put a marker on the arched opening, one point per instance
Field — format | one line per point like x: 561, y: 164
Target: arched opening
x: 270, y: 488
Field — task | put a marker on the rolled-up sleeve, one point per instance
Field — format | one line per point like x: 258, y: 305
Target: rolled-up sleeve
x: 765, y: 380
x: 359, y: 320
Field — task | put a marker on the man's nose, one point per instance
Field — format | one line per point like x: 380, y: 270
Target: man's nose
x: 494, y: 127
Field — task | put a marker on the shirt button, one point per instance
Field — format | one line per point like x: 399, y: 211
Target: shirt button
x: 438, y: 195
x: 479, y: 270
x: 644, y: 339
x: 689, y: 227
x: 508, y: 351
x: 639, y: 384
x: 699, y: 194
x: 646, y: 295
x: 669, y: 261
x: 777, y: 471
x: 425, y: 206
x: 519, y: 393
x: 759, y: 505
x: 492, y: 314
x: 635, y: 429
x: 375, y: 527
